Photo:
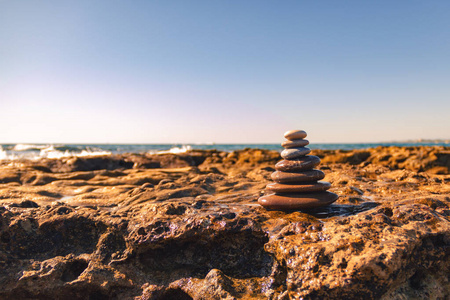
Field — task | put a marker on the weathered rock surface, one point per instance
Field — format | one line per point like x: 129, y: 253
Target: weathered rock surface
x: 189, y: 227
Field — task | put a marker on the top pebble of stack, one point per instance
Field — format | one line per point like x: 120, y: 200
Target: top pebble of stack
x: 295, y: 134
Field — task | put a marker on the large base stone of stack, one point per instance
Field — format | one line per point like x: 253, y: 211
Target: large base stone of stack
x: 296, y: 201
x: 297, y: 184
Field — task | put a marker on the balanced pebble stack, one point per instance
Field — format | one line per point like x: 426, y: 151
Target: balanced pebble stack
x: 297, y: 184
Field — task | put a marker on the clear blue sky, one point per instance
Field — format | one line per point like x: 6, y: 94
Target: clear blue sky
x: 223, y: 71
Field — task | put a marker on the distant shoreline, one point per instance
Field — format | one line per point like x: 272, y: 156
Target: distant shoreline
x: 417, y: 141
x: 38, y: 151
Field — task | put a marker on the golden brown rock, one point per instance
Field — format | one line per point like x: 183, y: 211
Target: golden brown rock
x: 189, y: 227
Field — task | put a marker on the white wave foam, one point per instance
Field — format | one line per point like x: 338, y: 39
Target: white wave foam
x: 51, y: 152
x: 21, y: 151
x: 25, y: 147
x: 174, y: 150
x: 3, y: 154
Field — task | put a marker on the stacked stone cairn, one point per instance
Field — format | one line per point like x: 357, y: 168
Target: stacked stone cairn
x: 297, y: 184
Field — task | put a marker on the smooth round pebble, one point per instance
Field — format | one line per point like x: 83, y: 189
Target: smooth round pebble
x: 295, y: 134
x: 301, y: 176
x: 297, y: 201
x: 299, y: 187
x: 294, y: 143
x: 299, y: 164
x: 293, y: 153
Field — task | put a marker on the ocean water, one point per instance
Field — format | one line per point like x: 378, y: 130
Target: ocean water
x: 38, y: 151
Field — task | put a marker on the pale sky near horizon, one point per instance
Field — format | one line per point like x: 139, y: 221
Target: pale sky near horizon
x: 223, y: 71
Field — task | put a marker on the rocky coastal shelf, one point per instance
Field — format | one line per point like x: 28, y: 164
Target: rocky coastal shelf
x: 189, y: 226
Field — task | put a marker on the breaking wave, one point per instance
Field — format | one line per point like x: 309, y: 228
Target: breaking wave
x: 173, y: 150
x: 35, y: 152
x: 39, y: 151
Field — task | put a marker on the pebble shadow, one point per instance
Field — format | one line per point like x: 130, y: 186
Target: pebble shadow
x: 335, y: 210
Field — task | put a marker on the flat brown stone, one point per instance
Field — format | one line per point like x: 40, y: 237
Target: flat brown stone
x: 295, y: 134
x: 293, y: 153
x: 298, y: 188
x: 297, y: 201
x: 299, y: 164
x: 301, y: 176
x: 294, y: 143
